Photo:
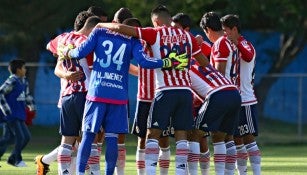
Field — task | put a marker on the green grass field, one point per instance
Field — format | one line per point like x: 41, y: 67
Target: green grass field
x: 282, y: 152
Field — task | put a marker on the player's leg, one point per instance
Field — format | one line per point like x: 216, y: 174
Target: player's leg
x: 250, y: 141
x: 164, y: 154
x: 116, y: 122
x: 139, y: 129
x: 204, y: 160
x: 121, y: 159
x: 194, y: 151
x: 182, y: 121
x: 231, y: 154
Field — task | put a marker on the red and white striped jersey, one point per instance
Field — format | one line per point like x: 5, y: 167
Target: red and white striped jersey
x: 68, y: 87
x: 207, y: 80
x: 163, y: 41
x: 222, y: 51
x: 206, y: 48
x: 247, y: 55
x: 146, y: 81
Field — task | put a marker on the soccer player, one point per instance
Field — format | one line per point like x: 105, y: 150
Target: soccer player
x: 248, y: 125
x: 74, y: 87
x: 196, y: 154
x: 73, y: 99
x: 119, y: 16
x: 145, y: 96
x: 173, y: 96
x: 14, y: 97
x: 225, y: 60
x: 107, y: 97
x: 98, y: 11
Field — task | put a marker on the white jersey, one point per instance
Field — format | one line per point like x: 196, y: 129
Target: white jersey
x: 247, y: 55
x: 222, y: 51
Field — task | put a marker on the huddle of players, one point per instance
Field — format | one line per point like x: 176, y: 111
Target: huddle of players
x: 214, y: 85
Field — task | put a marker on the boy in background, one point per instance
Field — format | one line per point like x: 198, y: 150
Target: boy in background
x: 14, y: 97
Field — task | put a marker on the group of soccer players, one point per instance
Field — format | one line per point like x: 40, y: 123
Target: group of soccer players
x: 180, y: 91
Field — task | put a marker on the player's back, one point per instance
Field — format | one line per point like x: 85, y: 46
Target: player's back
x: 163, y: 41
x: 112, y: 55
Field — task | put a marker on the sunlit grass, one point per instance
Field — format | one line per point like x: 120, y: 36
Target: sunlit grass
x: 277, y: 159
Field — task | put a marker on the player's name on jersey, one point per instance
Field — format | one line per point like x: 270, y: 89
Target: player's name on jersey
x: 110, y: 76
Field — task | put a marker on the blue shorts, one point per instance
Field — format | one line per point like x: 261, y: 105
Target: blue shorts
x: 172, y: 106
x: 71, y: 114
x: 139, y: 127
x: 248, y: 123
x: 220, y: 112
x: 113, y: 118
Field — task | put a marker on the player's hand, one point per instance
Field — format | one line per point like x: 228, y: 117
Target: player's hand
x: 63, y: 51
x: 179, y: 62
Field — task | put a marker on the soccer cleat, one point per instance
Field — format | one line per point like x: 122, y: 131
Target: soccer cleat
x: 41, y: 168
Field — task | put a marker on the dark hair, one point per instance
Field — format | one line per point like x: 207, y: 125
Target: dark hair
x: 92, y: 21
x: 183, y: 19
x: 211, y: 20
x: 160, y: 10
x: 132, y: 22
x: 231, y: 21
x: 16, y: 64
x: 122, y: 14
x: 80, y: 19
x: 98, y: 11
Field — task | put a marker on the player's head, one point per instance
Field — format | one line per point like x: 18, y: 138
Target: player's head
x: 15, y: 65
x: 122, y: 14
x: 132, y: 22
x: 91, y: 22
x: 211, y: 20
x: 182, y: 20
x: 231, y: 21
x: 80, y: 19
x: 98, y: 11
x: 160, y: 16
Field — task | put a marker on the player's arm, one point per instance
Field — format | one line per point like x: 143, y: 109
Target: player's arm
x: 246, y: 49
x: 120, y: 28
x: 68, y: 75
x: 6, y: 88
x: 201, y: 59
x: 133, y: 70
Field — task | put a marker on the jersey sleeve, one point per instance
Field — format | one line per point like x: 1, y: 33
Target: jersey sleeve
x: 87, y: 46
x: 246, y: 49
x: 148, y: 34
x: 205, y: 48
x: 142, y: 58
x: 221, y: 51
x: 195, y: 46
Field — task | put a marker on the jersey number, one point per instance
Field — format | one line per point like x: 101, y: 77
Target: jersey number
x: 116, y: 58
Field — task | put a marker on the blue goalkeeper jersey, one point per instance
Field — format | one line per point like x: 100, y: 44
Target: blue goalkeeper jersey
x: 112, y: 55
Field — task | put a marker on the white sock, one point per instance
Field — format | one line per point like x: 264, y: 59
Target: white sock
x: 121, y: 160
x: 140, y: 161
x: 151, y: 156
x: 254, y: 157
x: 50, y: 157
x: 64, y: 159
x: 204, y: 163
x: 231, y: 157
x: 181, y: 158
x: 164, y: 160
x: 242, y: 157
x: 193, y: 157
x: 219, y: 157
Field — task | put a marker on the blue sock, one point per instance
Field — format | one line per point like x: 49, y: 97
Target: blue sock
x: 111, y: 153
x: 84, y: 151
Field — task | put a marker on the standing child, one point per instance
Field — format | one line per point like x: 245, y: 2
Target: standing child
x: 14, y: 97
